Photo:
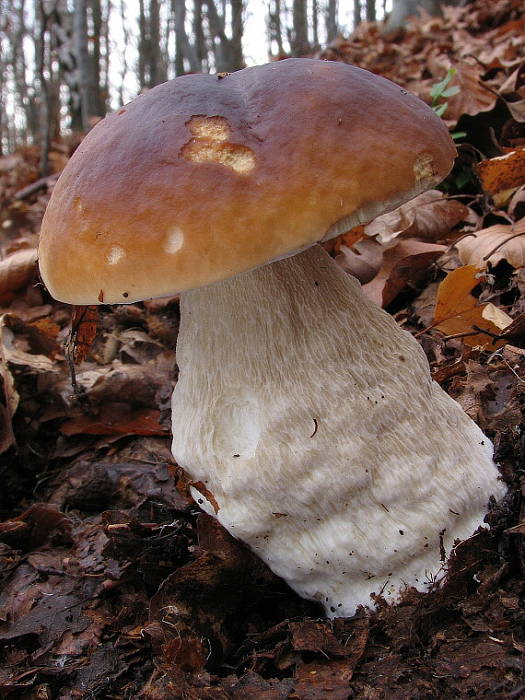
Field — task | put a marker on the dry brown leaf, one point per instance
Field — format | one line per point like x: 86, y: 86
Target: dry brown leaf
x: 473, y: 96
x: 84, y: 327
x: 17, y: 270
x: 516, y: 205
x: 502, y: 173
x: 517, y: 109
x: 404, y: 265
x: 116, y: 419
x: 12, y: 354
x: 363, y: 259
x: 492, y: 244
x: 429, y: 216
x: 458, y: 311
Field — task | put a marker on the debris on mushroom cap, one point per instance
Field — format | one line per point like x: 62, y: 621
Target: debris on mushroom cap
x: 200, y: 179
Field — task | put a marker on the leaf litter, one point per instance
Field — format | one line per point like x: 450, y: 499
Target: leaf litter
x: 114, y: 585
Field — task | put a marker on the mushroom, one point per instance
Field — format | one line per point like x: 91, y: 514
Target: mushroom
x: 305, y: 416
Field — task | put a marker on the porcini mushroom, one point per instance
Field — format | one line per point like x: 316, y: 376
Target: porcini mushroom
x: 305, y: 416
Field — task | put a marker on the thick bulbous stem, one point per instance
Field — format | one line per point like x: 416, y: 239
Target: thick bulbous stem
x: 311, y: 419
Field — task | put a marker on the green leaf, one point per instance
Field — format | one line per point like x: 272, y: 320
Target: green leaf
x: 440, y: 109
x: 450, y: 91
x: 439, y: 89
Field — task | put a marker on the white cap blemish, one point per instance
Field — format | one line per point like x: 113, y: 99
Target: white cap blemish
x: 115, y: 254
x: 174, y: 240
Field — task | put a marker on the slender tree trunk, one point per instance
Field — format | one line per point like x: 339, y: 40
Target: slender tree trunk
x: 357, y: 13
x: 157, y: 73
x: 237, y: 55
x: 105, y: 66
x: 275, y: 28
x: 370, y: 11
x: 124, y: 62
x: 184, y: 50
x: 315, y: 24
x: 45, y: 112
x: 226, y: 53
x: 299, y: 42
x: 198, y: 33
x: 403, y: 9
x: 331, y: 20
x: 84, y: 67
x: 143, y: 46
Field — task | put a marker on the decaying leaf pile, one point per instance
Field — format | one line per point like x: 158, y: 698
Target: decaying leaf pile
x: 113, y: 584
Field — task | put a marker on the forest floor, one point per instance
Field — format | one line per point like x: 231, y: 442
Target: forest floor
x: 114, y: 585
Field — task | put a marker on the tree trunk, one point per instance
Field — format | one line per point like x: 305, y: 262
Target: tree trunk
x: 237, y: 56
x: 157, y: 72
x: 198, y: 33
x: 370, y: 11
x: 143, y: 46
x: 403, y: 9
x: 84, y: 67
x: 315, y: 24
x: 184, y: 50
x: 357, y: 13
x: 95, y: 58
x: 299, y: 42
x: 124, y: 66
x: 275, y: 28
x: 45, y: 111
x: 228, y: 52
x: 331, y: 20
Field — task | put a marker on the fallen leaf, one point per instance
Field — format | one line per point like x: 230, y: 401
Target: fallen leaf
x: 473, y: 96
x: 404, y: 265
x: 84, y: 327
x: 14, y: 355
x: 363, y: 259
x: 493, y: 244
x: 502, y: 173
x: 17, y: 270
x: 430, y: 216
x: 318, y: 637
x: 458, y: 311
x: 116, y: 419
x: 33, y: 527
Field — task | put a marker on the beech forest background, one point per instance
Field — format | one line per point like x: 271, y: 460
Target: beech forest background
x: 65, y: 63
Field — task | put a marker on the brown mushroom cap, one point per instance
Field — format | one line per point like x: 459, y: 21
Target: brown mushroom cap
x: 205, y: 176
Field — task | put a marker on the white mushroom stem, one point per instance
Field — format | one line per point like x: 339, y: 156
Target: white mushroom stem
x: 314, y: 426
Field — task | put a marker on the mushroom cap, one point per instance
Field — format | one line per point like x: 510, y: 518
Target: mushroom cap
x: 204, y: 177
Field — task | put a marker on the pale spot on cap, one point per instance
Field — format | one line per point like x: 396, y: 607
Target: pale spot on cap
x: 174, y: 240
x: 424, y: 168
x: 115, y: 254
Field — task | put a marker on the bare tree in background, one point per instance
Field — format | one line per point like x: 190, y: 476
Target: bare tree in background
x: 87, y: 99
x: 299, y: 34
x: 315, y: 25
x: 331, y: 20
x: 357, y: 13
x: 67, y: 77
x: 87, y: 52
x: 228, y: 53
x: 152, y: 64
x: 198, y: 34
x: 185, y: 51
x: 275, y: 28
x: 403, y: 9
